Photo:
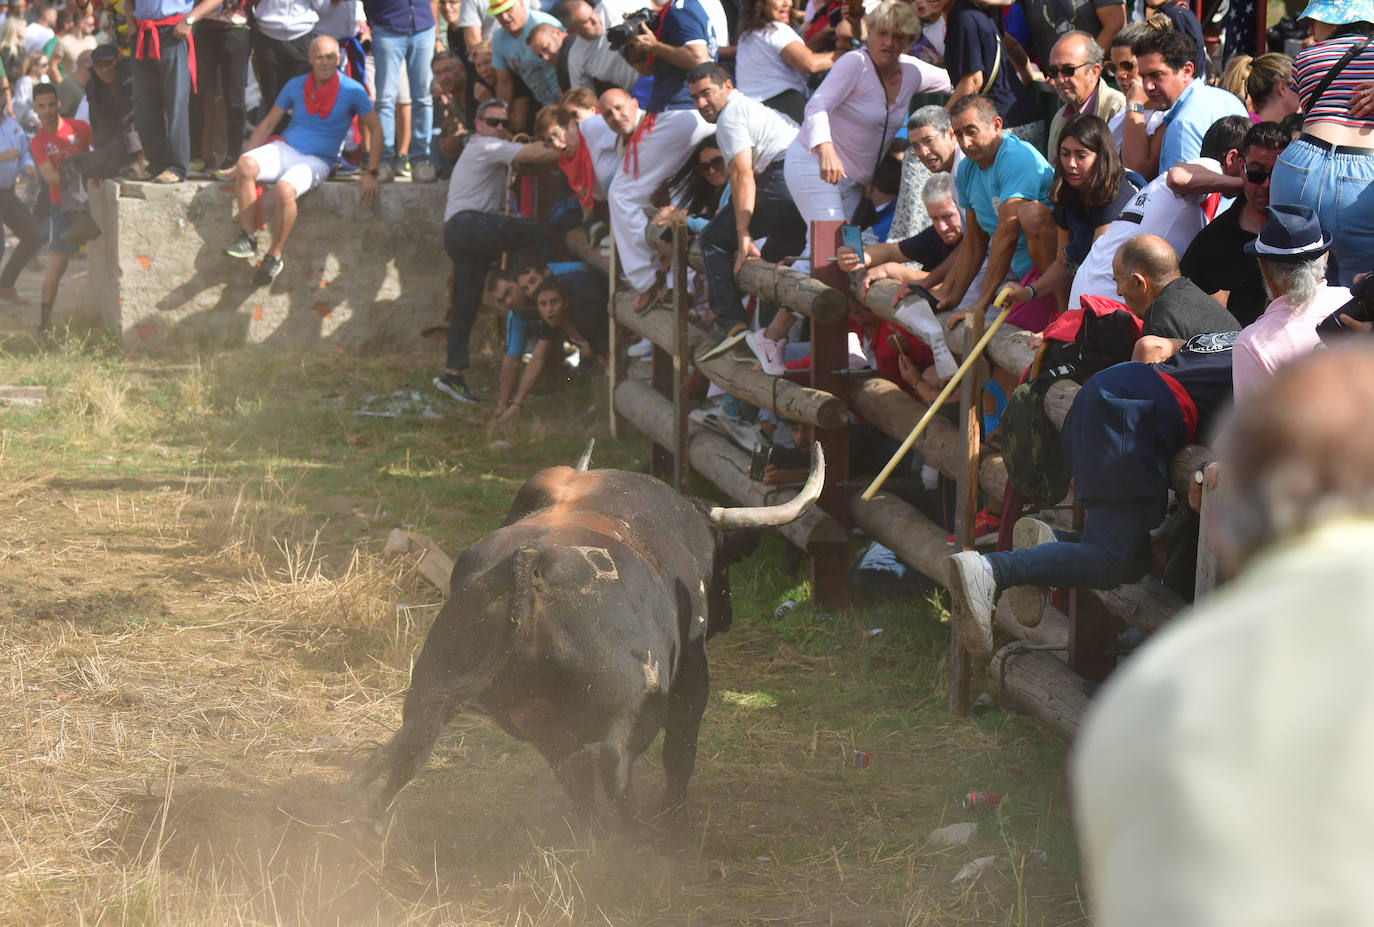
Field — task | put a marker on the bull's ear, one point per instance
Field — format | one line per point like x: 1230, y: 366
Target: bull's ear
x: 738, y: 543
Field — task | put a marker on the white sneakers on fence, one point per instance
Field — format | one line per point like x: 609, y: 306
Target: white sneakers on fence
x: 971, y: 589
x: 769, y: 352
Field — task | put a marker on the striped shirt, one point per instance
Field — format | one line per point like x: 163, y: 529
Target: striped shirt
x: 1311, y: 66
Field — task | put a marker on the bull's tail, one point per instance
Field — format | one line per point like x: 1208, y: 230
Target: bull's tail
x: 434, y: 697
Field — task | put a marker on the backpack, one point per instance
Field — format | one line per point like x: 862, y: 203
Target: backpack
x: 1077, y: 345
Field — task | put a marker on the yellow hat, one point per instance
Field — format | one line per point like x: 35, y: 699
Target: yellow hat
x: 497, y: 7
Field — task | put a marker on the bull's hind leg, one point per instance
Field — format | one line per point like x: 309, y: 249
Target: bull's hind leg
x: 686, y: 704
x: 404, y: 755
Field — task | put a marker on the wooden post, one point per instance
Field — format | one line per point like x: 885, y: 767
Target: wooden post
x: 1208, y: 577
x: 830, y: 373
x: 1092, y: 637
x: 682, y: 303
x: 966, y: 505
x: 613, y: 371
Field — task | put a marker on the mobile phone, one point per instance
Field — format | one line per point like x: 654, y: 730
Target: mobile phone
x: 759, y: 461
x: 851, y: 238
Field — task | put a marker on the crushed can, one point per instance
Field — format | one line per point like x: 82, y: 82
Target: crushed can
x: 982, y: 801
x: 781, y: 611
x: 860, y: 759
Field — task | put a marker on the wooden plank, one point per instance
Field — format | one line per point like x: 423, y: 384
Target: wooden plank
x: 830, y: 374
x: 1040, y: 685
x: 614, y: 371
x: 1208, y: 570
x: 681, y: 357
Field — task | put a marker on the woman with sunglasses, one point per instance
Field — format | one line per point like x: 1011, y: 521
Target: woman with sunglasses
x: 1089, y: 191
x: 772, y: 63
x: 1330, y: 167
x: 698, y: 187
x: 852, y: 118
x: 34, y: 69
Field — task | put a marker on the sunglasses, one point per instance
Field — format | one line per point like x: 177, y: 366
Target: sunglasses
x: 715, y: 164
x: 496, y: 123
x: 1066, y: 70
x: 1257, y: 175
x: 1128, y: 66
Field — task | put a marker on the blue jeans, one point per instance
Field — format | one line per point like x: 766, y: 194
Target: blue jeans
x: 1340, y: 187
x: 775, y: 218
x: 162, y: 100
x: 474, y: 241
x: 415, y: 51
x: 1114, y: 548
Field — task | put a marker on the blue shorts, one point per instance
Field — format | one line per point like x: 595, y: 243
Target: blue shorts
x: 57, y: 224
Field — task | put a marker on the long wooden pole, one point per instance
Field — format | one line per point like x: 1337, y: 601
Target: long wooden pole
x: 968, y: 363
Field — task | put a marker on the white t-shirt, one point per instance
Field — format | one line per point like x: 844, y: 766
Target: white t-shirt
x: 935, y: 34
x: 760, y: 69
x: 1156, y: 210
x: 340, y: 20
x: 746, y: 123
x: 479, y: 178
x: 36, y: 35
x: 474, y: 13
x: 600, y: 140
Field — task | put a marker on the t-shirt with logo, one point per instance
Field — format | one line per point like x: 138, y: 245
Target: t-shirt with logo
x: 1156, y: 210
x: 319, y: 137
x: 685, y: 22
x: 71, y: 137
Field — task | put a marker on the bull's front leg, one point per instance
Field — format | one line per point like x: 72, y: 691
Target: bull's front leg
x: 686, y: 704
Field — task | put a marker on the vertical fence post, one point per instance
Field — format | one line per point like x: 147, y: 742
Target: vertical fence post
x: 966, y: 503
x: 830, y: 372
x: 1208, y: 573
x: 613, y: 370
x: 682, y: 303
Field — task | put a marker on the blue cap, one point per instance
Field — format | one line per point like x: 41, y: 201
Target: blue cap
x: 1291, y: 233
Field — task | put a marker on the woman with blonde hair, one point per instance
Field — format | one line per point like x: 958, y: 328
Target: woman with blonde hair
x: 1264, y: 83
x: 12, y: 44
x: 34, y: 67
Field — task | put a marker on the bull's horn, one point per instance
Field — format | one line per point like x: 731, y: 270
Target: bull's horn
x: 765, y: 516
x: 585, y: 460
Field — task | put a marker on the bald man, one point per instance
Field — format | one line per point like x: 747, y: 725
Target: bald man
x: 1075, y: 73
x: 592, y: 62
x: 300, y: 160
x: 1170, y: 305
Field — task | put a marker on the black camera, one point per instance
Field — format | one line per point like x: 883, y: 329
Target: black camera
x: 759, y: 461
x: 1360, y: 308
x: 618, y: 36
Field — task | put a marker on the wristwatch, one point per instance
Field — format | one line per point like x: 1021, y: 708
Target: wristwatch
x: 1135, y: 107
x: 190, y: 20
x: 373, y: 172
x: 1199, y: 475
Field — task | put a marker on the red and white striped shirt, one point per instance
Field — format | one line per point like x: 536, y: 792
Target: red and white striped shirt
x: 1312, y: 64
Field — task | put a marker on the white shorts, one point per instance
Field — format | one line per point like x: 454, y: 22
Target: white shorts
x: 279, y: 161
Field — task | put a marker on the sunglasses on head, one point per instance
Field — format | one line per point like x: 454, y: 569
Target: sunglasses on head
x: 715, y: 164
x: 496, y: 123
x: 1066, y: 70
x: 1257, y: 174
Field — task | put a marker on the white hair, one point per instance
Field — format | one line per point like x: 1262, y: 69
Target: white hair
x: 1297, y: 280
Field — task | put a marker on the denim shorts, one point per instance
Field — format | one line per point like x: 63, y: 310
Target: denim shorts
x: 1339, y: 185
x: 57, y: 224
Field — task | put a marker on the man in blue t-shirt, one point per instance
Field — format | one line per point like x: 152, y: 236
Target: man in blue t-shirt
x: 512, y: 57
x: 323, y: 104
x: 690, y: 32
x: 998, y: 175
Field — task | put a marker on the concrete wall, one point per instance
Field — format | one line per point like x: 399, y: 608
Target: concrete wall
x: 352, y: 278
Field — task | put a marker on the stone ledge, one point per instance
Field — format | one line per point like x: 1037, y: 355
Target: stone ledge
x: 374, y: 278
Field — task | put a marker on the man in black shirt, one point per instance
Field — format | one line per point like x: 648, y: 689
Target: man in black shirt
x: 1216, y: 260
x: 1169, y: 305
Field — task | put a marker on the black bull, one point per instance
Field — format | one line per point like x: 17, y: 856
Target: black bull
x: 580, y: 626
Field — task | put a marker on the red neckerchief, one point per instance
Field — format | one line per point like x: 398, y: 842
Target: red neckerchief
x: 319, y: 101
x: 147, y: 29
x: 646, y: 125
x: 581, y: 172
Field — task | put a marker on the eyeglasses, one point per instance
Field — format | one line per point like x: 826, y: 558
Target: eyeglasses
x: 496, y: 123
x: 1066, y: 70
x: 715, y: 164
x: 1128, y: 66
x: 1257, y: 174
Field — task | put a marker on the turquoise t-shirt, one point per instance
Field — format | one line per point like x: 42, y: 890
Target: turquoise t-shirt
x: 1018, y: 171
x: 309, y: 134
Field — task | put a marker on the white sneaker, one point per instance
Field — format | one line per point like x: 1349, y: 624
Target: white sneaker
x: 641, y: 348
x: 971, y: 589
x: 1027, y: 603
x: 769, y: 352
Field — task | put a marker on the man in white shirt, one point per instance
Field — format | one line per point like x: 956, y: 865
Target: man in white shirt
x: 1174, y: 210
x: 41, y: 31
x: 592, y: 62
x: 475, y: 231
x: 753, y: 140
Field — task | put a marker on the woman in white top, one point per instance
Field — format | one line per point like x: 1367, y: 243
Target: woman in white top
x: 772, y: 63
x: 35, y: 64
x: 853, y: 116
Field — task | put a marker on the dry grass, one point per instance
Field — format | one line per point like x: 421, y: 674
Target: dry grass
x: 193, y: 657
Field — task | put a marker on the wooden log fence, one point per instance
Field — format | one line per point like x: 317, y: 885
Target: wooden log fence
x: 1042, y: 670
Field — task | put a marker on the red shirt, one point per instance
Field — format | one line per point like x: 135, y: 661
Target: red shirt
x: 72, y: 137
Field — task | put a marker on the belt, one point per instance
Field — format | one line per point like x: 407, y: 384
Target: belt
x: 1333, y: 148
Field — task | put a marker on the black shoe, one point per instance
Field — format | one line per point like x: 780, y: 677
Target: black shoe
x: 245, y: 246
x: 267, y: 271
x: 724, y: 340
x: 83, y: 229
x: 452, y: 385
